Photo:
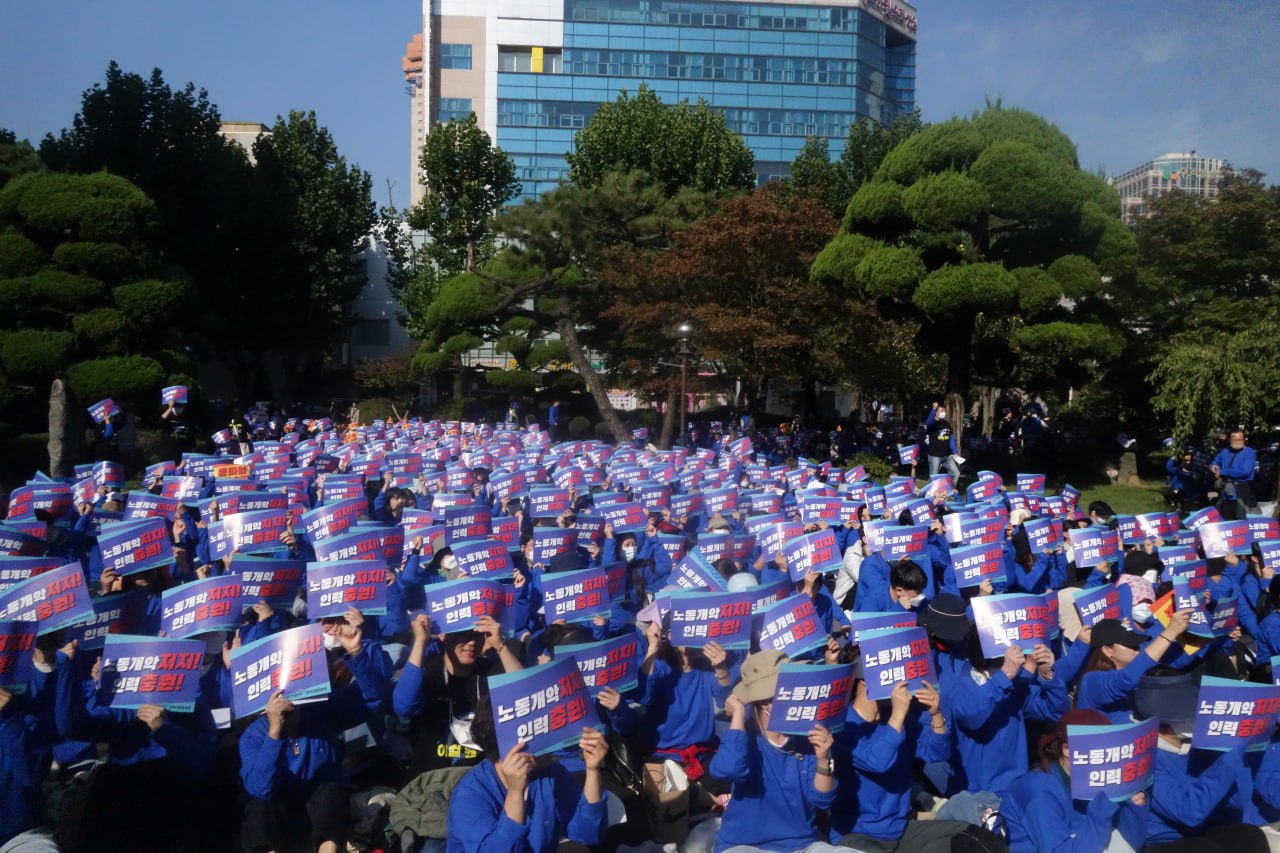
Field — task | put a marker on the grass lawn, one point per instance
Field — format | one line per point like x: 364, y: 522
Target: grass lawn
x: 1127, y: 500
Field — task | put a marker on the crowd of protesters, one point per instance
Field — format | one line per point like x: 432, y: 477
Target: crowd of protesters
x: 401, y: 752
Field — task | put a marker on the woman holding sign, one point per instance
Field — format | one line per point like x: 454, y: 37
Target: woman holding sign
x: 778, y: 785
x: 1119, y: 659
x: 1041, y: 815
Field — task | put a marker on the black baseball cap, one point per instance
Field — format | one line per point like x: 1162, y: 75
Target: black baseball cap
x: 1112, y: 632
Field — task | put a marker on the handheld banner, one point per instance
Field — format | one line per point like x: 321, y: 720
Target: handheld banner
x: 791, y: 626
x: 270, y: 579
x: 201, y: 607
x: 293, y: 661
x: 332, y: 518
x: 120, y: 613
x: 175, y: 394
x: 255, y: 531
x: 1185, y: 598
x: 139, y: 671
x: 55, y: 599
x: 1043, y: 534
x: 1225, y: 537
x: 1096, y: 604
x: 545, y: 707
x: 1115, y: 761
x: 893, y: 655
x: 335, y: 585
x: 699, y: 618
x: 694, y: 571
x: 483, y: 557
x: 17, y: 640
x: 575, y: 596
x: 382, y: 545
x: 466, y: 522
x: 550, y: 541
x: 1233, y: 713
x: 899, y: 542
x: 613, y: 663
x: 977, y: 563
x: 1017, y: 619
x: 867, y: 623
x: 908, y: 454
x: 140, y: 505
x: 458, y: 605
x: 1093, y: 546
x: 135, y: 546
x: 808, y: 696
x: 812, y: 552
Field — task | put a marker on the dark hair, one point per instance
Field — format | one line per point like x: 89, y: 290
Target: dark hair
x: 1102, y: 509
x: 438, y: 557
x: 907, y: 574
x: 904, y: 518
x: 525, y: 538
x: 556, y: 634
x: 483, y: 731
x: 726, y: 567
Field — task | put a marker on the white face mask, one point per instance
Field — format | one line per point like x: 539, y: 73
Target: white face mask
x: 332, y: 643
x: 1149, y: 576
x: 460, y: 728
x: 1142, y: 613
x: 916, y: 600
x: 629, y: 552
x: 942, y: 414
x: 449, y: 563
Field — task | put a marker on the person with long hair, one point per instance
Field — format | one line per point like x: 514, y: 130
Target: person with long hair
x: 1041, y: 814
x: 1119, y: 658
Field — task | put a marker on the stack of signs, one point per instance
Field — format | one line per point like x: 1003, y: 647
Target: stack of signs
x: 575, y: 596
x: 544, y: 707
x: 1020, y: 620
x: 139, y: 671
x: 613, y: 664
x: 1232, y: 714
x: 292, y: 661
x: 701, y: 618
x: 891, y: 656
x: 808, y: 696
x: 1115, y: 761
x: 335, y: 585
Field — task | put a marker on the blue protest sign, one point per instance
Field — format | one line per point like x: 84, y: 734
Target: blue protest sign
x: 1032, y: 484
x: 17, y: 543
x: 1115, y: 761
x: 483, y: 557
x: 458, y: 605
x: 575, y: 596
x: 139, y: 671
x: 269, y: 579
x: 699, y: 618
x: 1092, y: 546
x: 55, y: 599
x: 908, y: 454
x: 135, y: 546
x: 898, y: 542
x: 201, y: 607
x: 1233, y: 713
x: 1221, y: 538
x: 1263, y: 528
x: 466, y: 522
x: 613, y: 663
x: 175, y: 394
x: 791, y: 626
x: 1096, y: 604
x: 550, y: 541
x: 811, y: 552
x: 140, y: 505
x: 1017, y: 619
x: 332, y: 518
x: 545, y: 707
x: 335, y: 585
x: 694, y: 571
x: 255, y: 531
x: 893, y: 655
x: 1043, y: 534
x: 865, y: 623
x: 292, y: 661
x: 1185, y: 598
x: 382, y: 545
x: 119, y: 613
x: 808, y: 696
x: 970, y: 529
x: 975, y: 563
x: 17, y: 640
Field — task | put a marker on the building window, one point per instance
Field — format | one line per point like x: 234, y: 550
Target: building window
x: 451, y: 108
x: 515, y: 59
x: 455, y: 56
x: 371, y: 333
x: 525, y: 60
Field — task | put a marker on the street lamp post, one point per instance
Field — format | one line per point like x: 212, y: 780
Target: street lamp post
x: 683, y: 349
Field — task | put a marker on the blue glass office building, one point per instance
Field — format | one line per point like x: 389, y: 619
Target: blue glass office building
x: 535, y: 71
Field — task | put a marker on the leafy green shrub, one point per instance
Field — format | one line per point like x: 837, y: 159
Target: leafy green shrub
x: 578, y: 426
x: 101, y: 330
x: 375, y: 409
x: 15, y: 300
x: 151, y: 304
x: 36, y: 355
x: 877, y: 467
x: 106, y: 261
x: 132, y: 378
x: 18, y: 255
x: 65, y: 291
x: 449, y: 410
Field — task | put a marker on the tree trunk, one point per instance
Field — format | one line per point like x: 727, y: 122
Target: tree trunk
x: 958, y: 365
x: 459, y: 381
x: 64, y: 432
x: 670, y: 417
x: 569, y: 335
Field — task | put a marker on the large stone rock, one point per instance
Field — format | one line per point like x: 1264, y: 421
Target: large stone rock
x: 65, y: 431
x: 1129, y: 470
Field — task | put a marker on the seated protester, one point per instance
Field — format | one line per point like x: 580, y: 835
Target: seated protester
x: 834, y: 621
x: 1190, y: 784
x: 438, y: 694
x: 519, y: 802
x: 76, y: 544
x: 779, y: 783
x: 1254, y: 603
x: 147, y: 616
x: 263, y: 620
x: 1224, y: 578
x: 1119, y: 659
x: 628, y: 547
x: 1041, y: 815
x: 905, y: 589
x: 294, y: 547
x: 154, y: 756
x: 1024, y: 571
x: 987, y: 704
x: 390, y: 503
x: 875, y: 754
x: 1267, y: 635
x: 291, y: 756
x: 680, y: 689
x: 853, y: 554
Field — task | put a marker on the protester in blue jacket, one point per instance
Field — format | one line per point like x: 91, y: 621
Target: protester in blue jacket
x: 1041, y: 815
x: 1235, y: 466
x: 779, y: 782
x: 1119, y: 659
x: 521, y: 804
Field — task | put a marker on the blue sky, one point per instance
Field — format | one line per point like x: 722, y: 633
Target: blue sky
x: 1128, y: 80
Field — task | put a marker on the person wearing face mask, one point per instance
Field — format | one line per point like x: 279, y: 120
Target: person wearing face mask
x: 905, y: 590
x: 1118, y: 660
x: 780, y: 782
x: 1267, y: 635
x: 654, y: 563
x: 1191, y: 785
x: 1254, y: 602
x: 941, y: 443
x: 519, y: 802
x: 291, y: 756
x: 437, y: 694
x: 1234, y: 468
x: 1041, y: 814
